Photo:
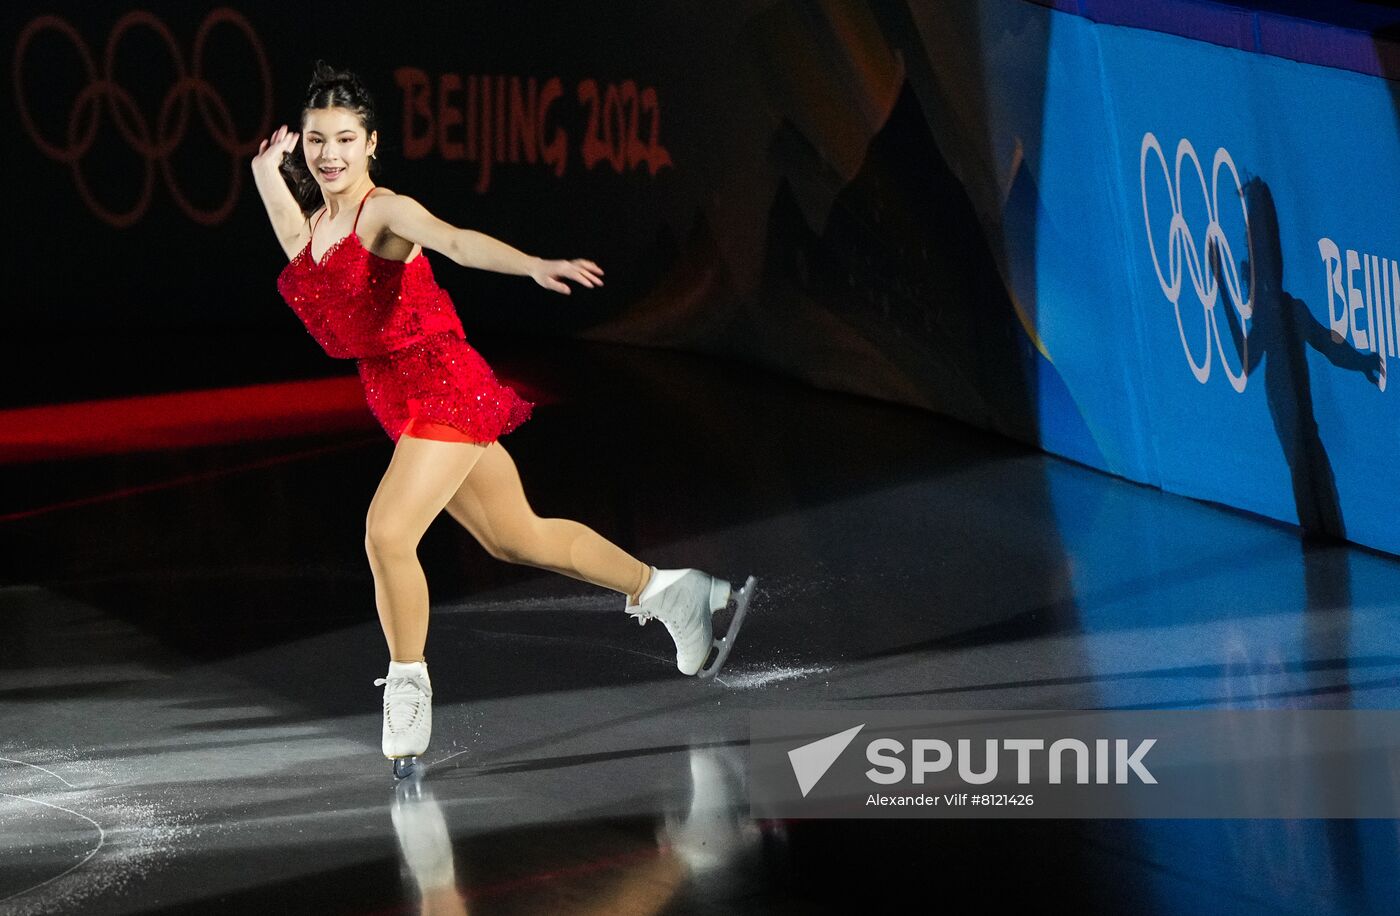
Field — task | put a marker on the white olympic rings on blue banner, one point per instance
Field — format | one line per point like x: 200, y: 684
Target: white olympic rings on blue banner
x: 1184, y: 255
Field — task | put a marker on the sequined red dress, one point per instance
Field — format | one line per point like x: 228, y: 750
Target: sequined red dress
x: 420, y: 375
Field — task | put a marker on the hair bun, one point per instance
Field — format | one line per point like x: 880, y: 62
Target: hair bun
x: 325, y: 75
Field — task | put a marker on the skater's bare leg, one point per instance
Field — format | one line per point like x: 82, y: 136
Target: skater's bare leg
x: 491, y: 504
x: 422, y: 476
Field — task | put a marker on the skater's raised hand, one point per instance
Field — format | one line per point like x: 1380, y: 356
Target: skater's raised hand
x: 550, y: 274
x: 272, y: 150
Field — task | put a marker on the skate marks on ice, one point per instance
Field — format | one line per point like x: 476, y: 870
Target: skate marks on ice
x: 752, y: 677
x: 468, y: 735
x: 775, y: 658
x: 593, y: 602
x: 757, y: 674
x: 609, y: 604
x: 743, y: 672
x: 35, y: 766
x: 574, y: 640
x: 79, y: 841
x: 101, y: 840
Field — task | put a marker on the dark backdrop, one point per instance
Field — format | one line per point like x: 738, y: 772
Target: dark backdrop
x: 782, y: 183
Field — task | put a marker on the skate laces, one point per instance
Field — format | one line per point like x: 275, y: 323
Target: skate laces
x: 406, y: 696
x: 675, y: 625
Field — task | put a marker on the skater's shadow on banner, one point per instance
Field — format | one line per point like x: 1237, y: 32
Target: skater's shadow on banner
x: 1282, y: 329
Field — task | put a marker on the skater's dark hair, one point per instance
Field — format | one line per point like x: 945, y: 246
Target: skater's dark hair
x: 329, y: 88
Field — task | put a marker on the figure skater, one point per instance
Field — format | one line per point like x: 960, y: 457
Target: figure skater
x: 368, y: 294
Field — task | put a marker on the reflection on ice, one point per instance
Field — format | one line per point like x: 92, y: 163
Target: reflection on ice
x: 425, y: 846
x: 714, y: 832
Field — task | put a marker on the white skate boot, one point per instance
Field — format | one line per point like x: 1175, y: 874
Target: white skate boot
x: 408, y: 715
x: 685, y: 600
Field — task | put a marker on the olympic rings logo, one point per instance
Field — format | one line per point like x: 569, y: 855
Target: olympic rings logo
x: 134, y: 126
x: 1184, y: 254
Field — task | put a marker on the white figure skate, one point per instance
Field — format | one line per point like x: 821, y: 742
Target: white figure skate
x: 408, y: 715
x: 685, y: 600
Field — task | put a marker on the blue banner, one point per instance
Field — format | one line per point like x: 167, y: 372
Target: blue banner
x: 1200, y: 242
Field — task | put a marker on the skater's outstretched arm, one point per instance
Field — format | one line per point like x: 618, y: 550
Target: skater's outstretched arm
x: 411, y: 221
x: 293, y: 231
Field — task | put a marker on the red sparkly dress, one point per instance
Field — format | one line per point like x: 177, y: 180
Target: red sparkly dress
x: 421, y: 377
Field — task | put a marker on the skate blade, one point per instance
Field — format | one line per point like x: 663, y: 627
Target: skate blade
x: 725, y: 644
x: 408, y: 768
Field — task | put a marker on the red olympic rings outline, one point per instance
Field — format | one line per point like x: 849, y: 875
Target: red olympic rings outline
x: 133, y: 125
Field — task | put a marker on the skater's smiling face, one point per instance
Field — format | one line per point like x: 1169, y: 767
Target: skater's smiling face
x: 336, y: 146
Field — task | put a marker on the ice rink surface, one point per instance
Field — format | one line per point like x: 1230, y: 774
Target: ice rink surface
x: 190, y: 641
